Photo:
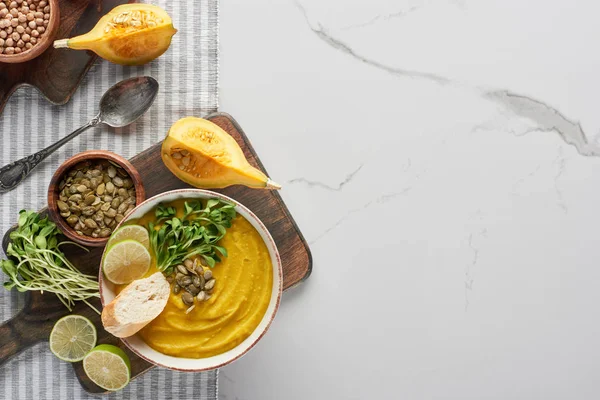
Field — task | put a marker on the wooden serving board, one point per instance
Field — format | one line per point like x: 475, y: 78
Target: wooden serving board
x: 57, y: 73
x: 34, y: 323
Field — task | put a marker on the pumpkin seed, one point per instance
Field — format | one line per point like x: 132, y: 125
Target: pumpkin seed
x: 62, y: 206
x: 176, y: 288
x: 117, y: 181
x: 105, y: 232
x: 209, y: 284
x: 88, y: 211
x: 191, y: 289
x: 90, y: 223
x: 110, y: 188
x: 111, y: 212
x: 186, y: 280
x: 76, y: 198
x: 75, y: 209
x: 191, y: 269
x: 89, y: 199
x: 201, y: 296
x: 112, y: 172
x: 65, y: 214
x: 207, y: 274
x: 100, y: 189
x: 93, y: 183
x: 122, y: 208
x: 196, y: 281
x: 187, y: 298
x: 182, y: 269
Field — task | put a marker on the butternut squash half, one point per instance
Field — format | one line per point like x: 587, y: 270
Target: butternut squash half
x: 130, y: 34
x: 202, y: 154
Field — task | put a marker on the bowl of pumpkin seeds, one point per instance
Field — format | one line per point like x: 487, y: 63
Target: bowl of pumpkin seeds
x: 90, y: 193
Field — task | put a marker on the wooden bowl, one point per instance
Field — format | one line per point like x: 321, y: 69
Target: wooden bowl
x: 53, y: 211
x: 45, y: 41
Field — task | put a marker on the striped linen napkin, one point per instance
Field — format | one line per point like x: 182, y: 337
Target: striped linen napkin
x: 188, y: 77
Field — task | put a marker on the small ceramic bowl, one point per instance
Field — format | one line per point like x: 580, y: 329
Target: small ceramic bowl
x: 137, y: 344
x: 53, y: 191
x: 44, y: 42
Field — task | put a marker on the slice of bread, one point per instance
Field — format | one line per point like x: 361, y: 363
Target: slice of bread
x: 137, y: 305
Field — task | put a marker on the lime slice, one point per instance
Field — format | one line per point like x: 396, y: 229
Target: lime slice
x: 72, y: 338
x: 125, y: 262
x: 130, y: 232
x: 108, y: 367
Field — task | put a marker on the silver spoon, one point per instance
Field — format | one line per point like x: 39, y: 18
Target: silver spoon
x: 121, y: 105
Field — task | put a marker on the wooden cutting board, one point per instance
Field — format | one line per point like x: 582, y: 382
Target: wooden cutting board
x: 57, y: 72
x: 34, y: 323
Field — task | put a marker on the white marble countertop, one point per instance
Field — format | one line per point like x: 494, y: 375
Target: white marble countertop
x: 439, y: 157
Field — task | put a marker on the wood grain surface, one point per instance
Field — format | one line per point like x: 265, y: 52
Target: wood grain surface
x: 56, y: 73
x: 34, y: 323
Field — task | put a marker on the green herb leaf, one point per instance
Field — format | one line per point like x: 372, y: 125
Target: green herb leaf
x: 36, y: 263
x: 195, y: 234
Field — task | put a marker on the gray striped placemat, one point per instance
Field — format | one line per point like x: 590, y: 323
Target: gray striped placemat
x: 188, y: 77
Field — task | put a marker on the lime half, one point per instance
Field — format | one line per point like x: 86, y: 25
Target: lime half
x: 108, y: 367
x: 126, y: 261
x: 130, y: 232
x: 72, y: 338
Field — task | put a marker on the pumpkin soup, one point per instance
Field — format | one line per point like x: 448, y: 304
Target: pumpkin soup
x: 231, y: 310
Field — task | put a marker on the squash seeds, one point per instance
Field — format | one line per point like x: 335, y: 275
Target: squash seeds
x: 95, y: 196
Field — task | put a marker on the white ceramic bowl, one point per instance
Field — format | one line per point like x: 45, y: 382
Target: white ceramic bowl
x: 139, y: 347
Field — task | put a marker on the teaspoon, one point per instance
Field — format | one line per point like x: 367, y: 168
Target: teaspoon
x: 121, y: 105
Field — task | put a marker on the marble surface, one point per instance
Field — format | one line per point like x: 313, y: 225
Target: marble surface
x: 439, y: 157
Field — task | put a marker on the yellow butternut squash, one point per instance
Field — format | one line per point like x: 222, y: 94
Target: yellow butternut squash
x: 202, y: 154
x: 130, y: 34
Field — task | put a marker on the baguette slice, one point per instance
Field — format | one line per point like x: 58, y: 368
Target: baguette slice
x: 137, y: 305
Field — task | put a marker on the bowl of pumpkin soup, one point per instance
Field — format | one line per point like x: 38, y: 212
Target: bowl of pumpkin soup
x: 225, y: 275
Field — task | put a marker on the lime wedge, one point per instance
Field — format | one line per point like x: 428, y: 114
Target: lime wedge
x: 125, y: 262
x: 130, y: 232
x: 108, y: 367
x: 72, y: 338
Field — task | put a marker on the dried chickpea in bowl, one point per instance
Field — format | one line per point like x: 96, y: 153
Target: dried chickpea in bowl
x: 27, y: 28
x: 91, y: 193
